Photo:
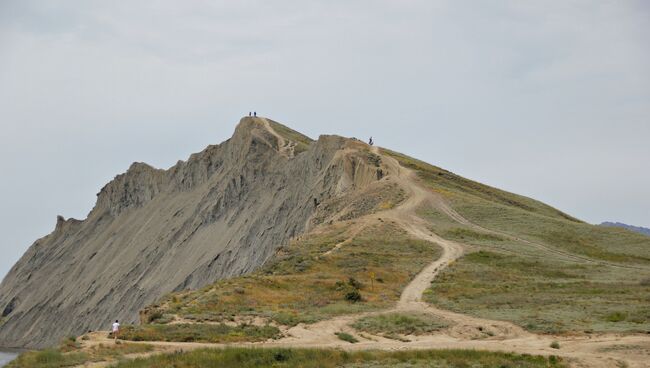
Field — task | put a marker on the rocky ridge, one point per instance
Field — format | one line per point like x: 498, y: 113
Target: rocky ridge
x: 221, y: 213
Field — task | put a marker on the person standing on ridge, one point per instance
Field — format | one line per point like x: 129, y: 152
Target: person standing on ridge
x: 116, y: 329
x: 370, y: 141
x: 249, y: 113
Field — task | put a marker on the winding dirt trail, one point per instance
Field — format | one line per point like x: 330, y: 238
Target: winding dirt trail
x: 465, y: 332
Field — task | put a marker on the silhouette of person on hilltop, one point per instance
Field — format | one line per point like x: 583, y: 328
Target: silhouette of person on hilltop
x: 370, y: 141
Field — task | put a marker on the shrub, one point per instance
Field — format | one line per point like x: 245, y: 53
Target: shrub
x: 353, y: 296
x: 355, y: 283
x: 154, y: 316
x: 346, y: 337
x: 555, y: 345
x: 69, y: 344
x: 616, y: 317
x: 645, y: 282
x: 282, y: 355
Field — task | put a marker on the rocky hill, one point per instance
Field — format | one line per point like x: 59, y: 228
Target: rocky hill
x: 272, y: 239
x: 221, y: 213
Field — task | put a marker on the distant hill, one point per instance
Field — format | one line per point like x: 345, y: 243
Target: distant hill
x: 636, y: 229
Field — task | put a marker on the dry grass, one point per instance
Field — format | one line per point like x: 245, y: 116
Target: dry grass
x: 207, y: 333
x: 301, y: 284
x: 70, y: 354
x: 312, y: 358
x: 400, y: 324
x: 532, y: 283
x: 444, y: 182
x: 543, y: 295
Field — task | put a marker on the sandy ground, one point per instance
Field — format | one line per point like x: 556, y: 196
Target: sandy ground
x: 466, y: 332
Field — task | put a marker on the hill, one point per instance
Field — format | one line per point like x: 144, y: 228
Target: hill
x: 220, y: 214
x: 373, y: 250
x: 636, y: 229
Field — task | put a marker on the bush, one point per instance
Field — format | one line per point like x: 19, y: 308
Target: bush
x: 645, y: 282
x: 69, y: 344
x: 354, y: 283
x: 353, y: 296
x: 282, y: 355
x: 555, y: 345
x: 616, y: 317
x: 154, y: 316
x: 346, y: 337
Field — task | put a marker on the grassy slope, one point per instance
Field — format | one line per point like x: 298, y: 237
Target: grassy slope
x: 261, y: 358
x: 543, y: 296
x: 446, y: 182
x: 517, y: 281
x: 302, y: 285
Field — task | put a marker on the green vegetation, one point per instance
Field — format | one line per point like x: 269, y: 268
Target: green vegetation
x: 210, y: 333
x: 464, y: 234
x: 346, y: 337
x: 400, y: 324
x: 302, y: 284
x: 445, y: 182
x: 595, y: 242
x: 308, y: 358
x: 64, y: 356
x: 555, y: 345
x: 302, y: 141
x: 531, y: 264
x: 544, y: 295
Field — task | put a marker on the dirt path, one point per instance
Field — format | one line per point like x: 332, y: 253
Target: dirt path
x: 466, y: 332
x: 285, y: 147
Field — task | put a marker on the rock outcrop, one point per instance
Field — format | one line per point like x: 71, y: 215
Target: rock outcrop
x: 221, y: 213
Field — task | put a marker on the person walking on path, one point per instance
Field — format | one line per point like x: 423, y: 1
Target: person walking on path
x: 116, y: 329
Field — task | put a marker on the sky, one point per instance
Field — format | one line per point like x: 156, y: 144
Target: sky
x: 546, y: 99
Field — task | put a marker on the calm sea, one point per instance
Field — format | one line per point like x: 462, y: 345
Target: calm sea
x: 7, y: 356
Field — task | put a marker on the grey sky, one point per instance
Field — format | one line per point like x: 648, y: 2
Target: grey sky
x: 547, y: 99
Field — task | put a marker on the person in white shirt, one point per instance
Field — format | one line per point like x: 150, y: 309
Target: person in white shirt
x: 116, y: 329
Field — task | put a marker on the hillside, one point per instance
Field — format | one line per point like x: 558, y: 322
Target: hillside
x: 221, y: 213
x: 375, y: 251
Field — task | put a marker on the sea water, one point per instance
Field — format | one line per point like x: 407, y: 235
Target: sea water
x: 7, y: 356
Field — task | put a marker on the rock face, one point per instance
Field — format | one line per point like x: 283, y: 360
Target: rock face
x: 221, y: 213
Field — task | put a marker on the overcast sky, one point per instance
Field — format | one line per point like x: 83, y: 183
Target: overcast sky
x: 550, y: 99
